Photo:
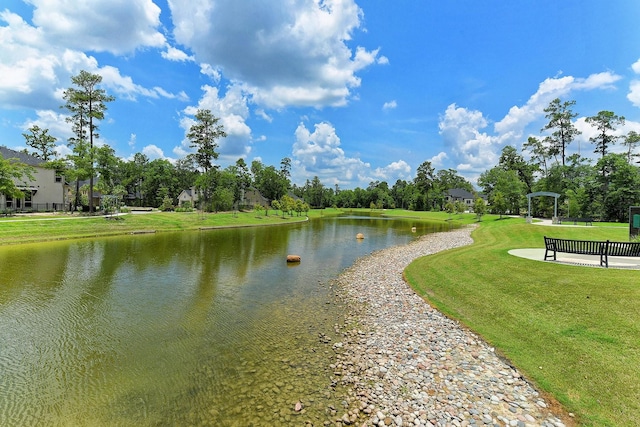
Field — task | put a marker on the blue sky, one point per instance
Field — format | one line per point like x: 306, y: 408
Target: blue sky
x: 351, y: 91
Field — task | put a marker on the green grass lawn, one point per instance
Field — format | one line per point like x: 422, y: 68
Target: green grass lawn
x: 574, y: 331
x: 26, y: 229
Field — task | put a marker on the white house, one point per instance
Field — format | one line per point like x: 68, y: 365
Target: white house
x: 190, y: 195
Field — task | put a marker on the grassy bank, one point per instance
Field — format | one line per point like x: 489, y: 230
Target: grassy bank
x: 35, y: 228
x: 575, y: 331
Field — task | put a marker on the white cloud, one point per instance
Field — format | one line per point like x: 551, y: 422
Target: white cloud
x: 438, y: 160
x: 472, y: 149
x: 263, y: 115
x: 213, y: 73
x: 293, y: 52
x: 390, y: 105
x: 36, y: 63
x: 53, y: 121
x: 154, y: 152
x: 393, y: 172
x: 116, y: 26
x: 634, y: 86
x: 512, y: 126
x: 174, y: 54
x: 319, y: 153
x: 132, y: 141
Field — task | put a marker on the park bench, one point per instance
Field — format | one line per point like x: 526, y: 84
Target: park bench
x: 603, y: 249
x: 587, y: 221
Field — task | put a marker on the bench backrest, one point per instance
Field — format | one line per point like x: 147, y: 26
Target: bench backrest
x: 623, y: 248
x: 593, y: 247
x: 585, y: 247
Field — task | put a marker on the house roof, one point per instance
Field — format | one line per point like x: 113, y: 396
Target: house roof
x: 460, y: 193
x: 28, y: 159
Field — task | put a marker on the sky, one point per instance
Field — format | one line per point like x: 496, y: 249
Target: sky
x: 352, y: 92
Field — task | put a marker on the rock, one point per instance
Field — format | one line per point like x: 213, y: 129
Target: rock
x: 409, y: 364
x: 359, y: 236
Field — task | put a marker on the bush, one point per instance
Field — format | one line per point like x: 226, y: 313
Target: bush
x: 167, y: 204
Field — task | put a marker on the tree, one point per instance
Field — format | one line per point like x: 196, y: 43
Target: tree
x: 132, y: 177
x: 449, y: 208
x: 243, y: 177
x: 479, y: 208
x: 621, y: 186
x: 222, y: 199
x: 285, y: 167
x: 203, y: 135
x: 539, y: 153
x: 511, y: 160
x: 269, y: 182
x: 503, y: 189
x: 287, y: 204
x: 605, y: 122
x: 87, y: 104
x: 316, y: 192
x: 159, y: 180
x: 424, y: 181
x: 631, y: 141
x: 499, y: 204
x: 82, y: 167
x: 43, y: 144
x: 448, y: 179
x: 560, y: 116
x: 106, y: 169
x: 276, y: 205
x: 11, y: 171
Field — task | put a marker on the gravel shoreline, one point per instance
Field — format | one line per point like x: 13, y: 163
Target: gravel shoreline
x: 409, y: 365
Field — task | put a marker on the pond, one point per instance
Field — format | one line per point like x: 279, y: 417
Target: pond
x: 191, y: 328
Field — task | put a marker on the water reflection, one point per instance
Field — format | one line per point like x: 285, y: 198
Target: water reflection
x: 198, y: 328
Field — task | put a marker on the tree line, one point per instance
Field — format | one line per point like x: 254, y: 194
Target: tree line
x: 603, y: 190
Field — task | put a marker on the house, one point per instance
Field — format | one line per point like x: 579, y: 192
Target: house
x: 250, y: 198
x: 83, y: 188
x: 462, y: 195
x: 253, y: 197
x: 190, y: 195
x: 45, y: 192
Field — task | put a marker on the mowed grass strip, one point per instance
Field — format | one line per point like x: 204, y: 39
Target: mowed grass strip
x: 574, y: 331
x: 29, y: 229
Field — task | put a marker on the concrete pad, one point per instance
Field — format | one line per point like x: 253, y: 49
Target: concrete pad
x: 537, y: 254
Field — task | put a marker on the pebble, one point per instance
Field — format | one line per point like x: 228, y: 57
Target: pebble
x: 408, y: 364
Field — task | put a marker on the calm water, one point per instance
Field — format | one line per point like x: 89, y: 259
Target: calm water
x: 191, y: 328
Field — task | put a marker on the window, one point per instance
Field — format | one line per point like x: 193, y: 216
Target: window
x: 27, y: 199
x: 58, y: 178
x: 9, y: 202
